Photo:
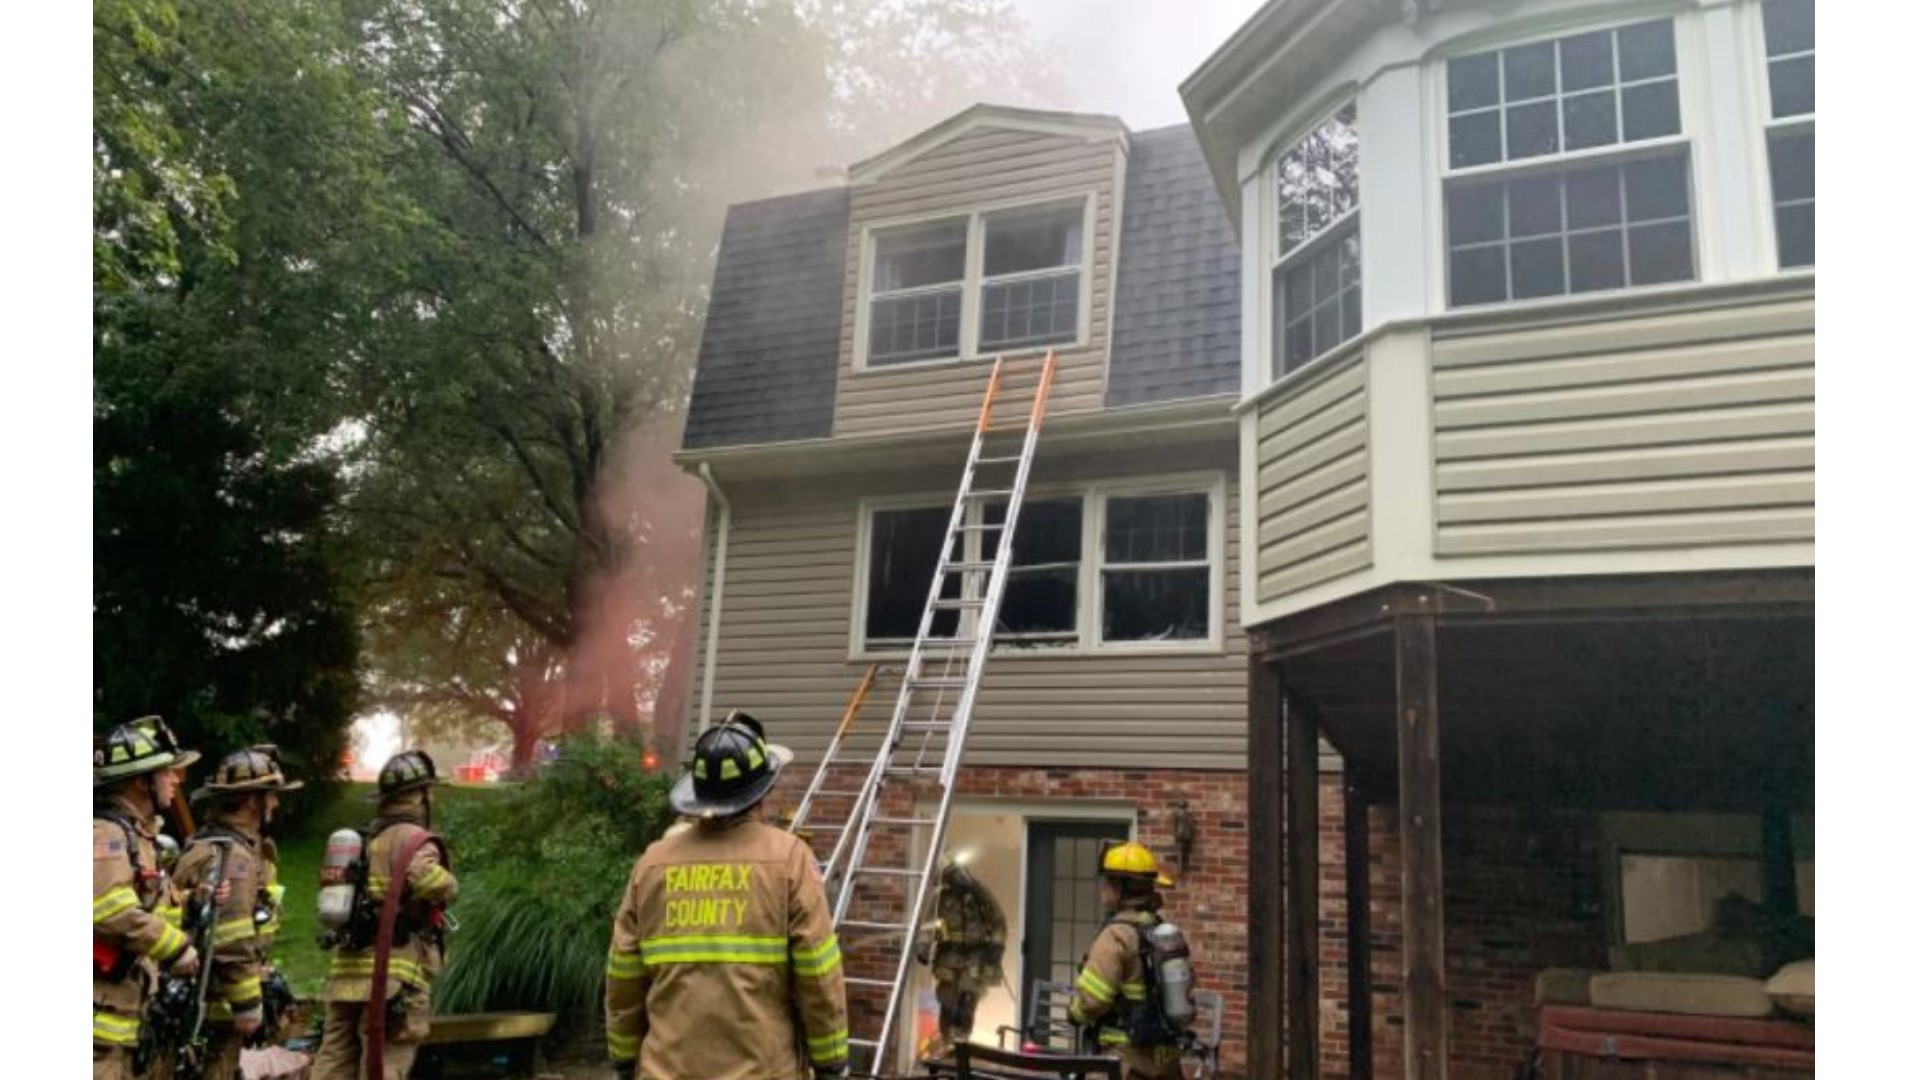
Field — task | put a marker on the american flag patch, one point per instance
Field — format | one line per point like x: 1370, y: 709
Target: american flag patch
x: 109, y: 849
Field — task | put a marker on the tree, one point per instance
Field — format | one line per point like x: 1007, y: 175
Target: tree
x: 243, y: 234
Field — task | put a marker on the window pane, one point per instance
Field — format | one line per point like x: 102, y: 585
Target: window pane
x: 1533, y: 205
x: 1030, y: 311
x: 1318, y: 179
x: 915, y: 327
x: 1656, y: 188
x: 1532, y: 130
x: 1586, y: 60
x: 1666, y: 896
x: 1593, y: 197
x: 1596, y: 261
x: 1793, y: 234
x: 1157, y: 528
x: 1473, y: 139
x: 1650, y: 111
x: 1660, y: 253
x: 1048, y: 533
x: 1477, y: 275
x: 1155, y: 605
x: 1590, y: 120
x: 1538, y: 269
x: 1033, y: 239
x: 902, y: 549
x: 1475, y: 213
x: 1300, y: 348
x: 1040, y: 602
x: 1791, y: 83
x: 1646, y: 50
x: 1789, y: 26
x: 920, y: 255
x: 1350, y: 313
x: 1310, y: 318
x: 1473, y: 82
x: 1529, y: 71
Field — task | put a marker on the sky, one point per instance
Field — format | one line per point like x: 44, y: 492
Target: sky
x: 1128, y: 57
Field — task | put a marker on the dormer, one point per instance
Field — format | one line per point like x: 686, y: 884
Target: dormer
x: 872, y: 311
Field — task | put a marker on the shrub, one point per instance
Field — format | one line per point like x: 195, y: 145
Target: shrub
x: 542, y: 869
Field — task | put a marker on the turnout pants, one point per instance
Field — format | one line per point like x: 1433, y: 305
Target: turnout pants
x: 343, y: 1037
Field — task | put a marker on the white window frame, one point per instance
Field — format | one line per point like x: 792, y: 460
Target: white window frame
x: 1692, y: 75
x: 1089, y: 595
x: 1279, y: 264
x: 974, y: 281
x: 1754, y: 39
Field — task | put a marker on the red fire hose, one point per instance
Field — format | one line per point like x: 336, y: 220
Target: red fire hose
x: 383, y: 952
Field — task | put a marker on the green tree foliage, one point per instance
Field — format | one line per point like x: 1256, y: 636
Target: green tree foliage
x: 542, y: 870
x: 245, y: 232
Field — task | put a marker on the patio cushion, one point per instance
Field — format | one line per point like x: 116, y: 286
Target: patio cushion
x: 1561, y: 986
x: 1679, y: 992
x: 1791, y: 988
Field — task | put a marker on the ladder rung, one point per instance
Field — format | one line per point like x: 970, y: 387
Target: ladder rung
x: 987, y: 493
x: 888, y: 871
x: 968, y: 567
x: 982, y: 526
x: 858, y: 980
x: 937, y: 681
x: 926, y: 725
x: 840, y: 794
x: 868, y: 1043
x: 812, y: 827
x: 998, y: 460
x: 905, y: 821
x: 957, y: 602
x: 856, y: 924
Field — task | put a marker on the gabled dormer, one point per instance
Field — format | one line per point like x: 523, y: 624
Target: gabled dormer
x: 873, y: 310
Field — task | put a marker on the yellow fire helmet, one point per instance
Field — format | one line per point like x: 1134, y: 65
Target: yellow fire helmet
x: 1132, y: 859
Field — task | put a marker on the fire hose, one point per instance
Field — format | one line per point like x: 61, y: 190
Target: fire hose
x: 383, y: 950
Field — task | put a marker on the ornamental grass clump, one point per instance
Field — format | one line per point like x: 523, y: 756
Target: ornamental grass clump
x: 542, y: 869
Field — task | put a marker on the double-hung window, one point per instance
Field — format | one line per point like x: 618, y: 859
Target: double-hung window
x: 975, y: 284
x: 1567, y: 167
x: 1316, y: 268
x: 1788, y: 26
x: 1123, y: 568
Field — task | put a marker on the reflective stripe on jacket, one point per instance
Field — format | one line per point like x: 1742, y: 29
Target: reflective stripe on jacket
x: 1111, y: 983
x: 128, y: 915
x: 239, y: 950
x: 722, y: 942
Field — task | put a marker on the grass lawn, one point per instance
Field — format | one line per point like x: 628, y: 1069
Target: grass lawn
x: 295, y: 951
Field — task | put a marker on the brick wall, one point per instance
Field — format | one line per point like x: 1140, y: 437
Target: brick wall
x: 1209, y: 900
x: 1522, y: 893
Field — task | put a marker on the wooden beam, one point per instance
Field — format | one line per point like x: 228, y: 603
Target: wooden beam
x: 1266, y: 897
x: 1422, y: 918
x: 1359, y: 859
x: 1302, y: 809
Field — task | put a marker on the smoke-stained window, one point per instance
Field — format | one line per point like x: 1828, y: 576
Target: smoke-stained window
x: 1030, y: 294
x: 918, y: 275
x: 1155, y: 572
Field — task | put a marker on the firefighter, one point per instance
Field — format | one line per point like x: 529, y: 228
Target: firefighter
x: 245, y: 796
x: 1111, y: 990
x: 419, y: 938
x: 137, y: 769
x: 964, y: 946
x: 724, y: 964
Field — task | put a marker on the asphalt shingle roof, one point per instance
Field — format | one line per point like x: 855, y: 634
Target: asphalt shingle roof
x: 769, y: 356
x: 1176, y: 306
x: 770, y: 351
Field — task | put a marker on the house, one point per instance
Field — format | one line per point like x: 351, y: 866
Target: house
x: 1525, y: 407
x: 846, y: 352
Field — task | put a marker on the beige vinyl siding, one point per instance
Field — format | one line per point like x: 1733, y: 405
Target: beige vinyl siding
x: 1315, y: 501
x: 1676, y: 428
x: 785, y: 632
x: 978, y: 170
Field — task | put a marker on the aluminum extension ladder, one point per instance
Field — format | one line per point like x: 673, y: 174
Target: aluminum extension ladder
x: 924, y: 742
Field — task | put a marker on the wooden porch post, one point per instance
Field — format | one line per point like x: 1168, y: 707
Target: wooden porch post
x: 1303, y: 888
x: 1424, y: 948
x: 1359, y: 935
x: 1266, y: 899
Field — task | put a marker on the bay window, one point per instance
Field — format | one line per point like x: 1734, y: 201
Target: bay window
x: 1316, y: 268
x: 1567, y: 167
x: 1788, y: 31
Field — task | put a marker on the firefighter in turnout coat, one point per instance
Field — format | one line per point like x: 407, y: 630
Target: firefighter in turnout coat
x: 964, y: 946
x: 136, y: 910
x: 724, y: 964
x: 418, y: 941
x: 1112, y: 983
x: 245, y: 792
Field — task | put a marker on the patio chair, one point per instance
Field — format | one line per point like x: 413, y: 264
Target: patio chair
x: 1047, y: 1029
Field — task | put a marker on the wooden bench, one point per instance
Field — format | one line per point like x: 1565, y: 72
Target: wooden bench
x: 497, y: 1044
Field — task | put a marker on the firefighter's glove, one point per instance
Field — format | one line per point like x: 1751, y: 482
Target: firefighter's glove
x: 186, y: 963
x: 247, y: 1021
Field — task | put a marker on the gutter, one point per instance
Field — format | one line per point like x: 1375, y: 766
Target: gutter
x: 721, y: 536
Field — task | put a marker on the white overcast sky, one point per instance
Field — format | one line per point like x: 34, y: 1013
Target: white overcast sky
x: 1128, y: 57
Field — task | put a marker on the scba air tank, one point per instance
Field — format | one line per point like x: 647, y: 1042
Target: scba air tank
x: 1171, y: 959
x: 338, y: 878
